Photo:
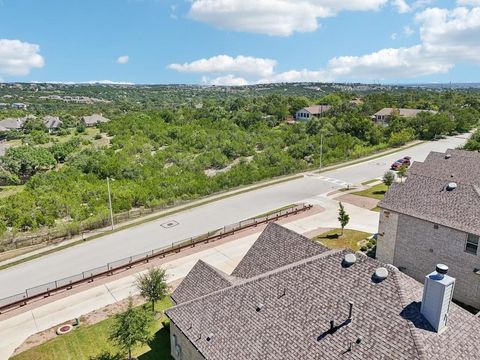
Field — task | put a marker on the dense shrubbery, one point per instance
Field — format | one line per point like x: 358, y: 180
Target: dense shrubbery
x: 164, y: 156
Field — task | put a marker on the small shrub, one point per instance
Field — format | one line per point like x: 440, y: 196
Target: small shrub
x: 363, y: 248
x: 98, y: 136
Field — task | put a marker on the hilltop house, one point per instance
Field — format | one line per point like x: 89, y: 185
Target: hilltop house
x: 435, y: 217
x: 291, y: 298
x: 93, y: 120
x: 311, y: 111
x: 52, y: 122
x: 3, y: 106
x: 15, y: 123
x: 383, y: 116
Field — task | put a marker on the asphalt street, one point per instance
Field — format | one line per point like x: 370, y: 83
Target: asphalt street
x: 200, y: 220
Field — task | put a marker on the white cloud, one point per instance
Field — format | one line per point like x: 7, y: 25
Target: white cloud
x: 393, y: 36
x: 18, y: 58
x: 123, y: 59
x: 402, y: 6
x: 274, y: 17
x: 447, y: 37
x: 240, y: 65
x: 468, y: 2
x: 227, y: 80
x: 408, y: 31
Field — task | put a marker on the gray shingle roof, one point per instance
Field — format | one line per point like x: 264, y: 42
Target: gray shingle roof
x: 424, y: 195
x: 52, y: 122
x: 94, y: 119
x: 299, y: 301
x: 317, y: 109
x: 402, y: 112
x: 12, y: 123
x: 201, y: 280
x: 276, y: 247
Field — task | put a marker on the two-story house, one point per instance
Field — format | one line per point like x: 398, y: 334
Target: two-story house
x: 434, y: 216
x: 291, y: 298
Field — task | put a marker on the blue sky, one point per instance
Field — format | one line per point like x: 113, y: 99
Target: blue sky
x: 240, y: 41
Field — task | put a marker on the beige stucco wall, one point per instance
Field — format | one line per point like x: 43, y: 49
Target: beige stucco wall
x: 418, y: 247
x: 186, y: 349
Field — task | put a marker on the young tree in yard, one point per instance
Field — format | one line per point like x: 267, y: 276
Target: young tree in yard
x: 131, y: 328
x: 388, y: 178
x: 402, y: 172
x: 153, y: 285
x: 343, y: 217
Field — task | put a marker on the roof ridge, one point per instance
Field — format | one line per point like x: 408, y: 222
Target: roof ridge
x: 243, y: 282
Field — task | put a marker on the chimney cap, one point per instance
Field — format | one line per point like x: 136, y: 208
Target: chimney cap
x: 441, y: 269
x: 448, y: 156
x: 381, y: 273
x: 451, y: 186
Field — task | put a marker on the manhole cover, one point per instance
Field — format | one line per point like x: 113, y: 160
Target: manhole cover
x: 169, y: 224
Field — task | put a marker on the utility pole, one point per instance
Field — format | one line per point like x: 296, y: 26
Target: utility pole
x: 110, y: 200
x: 321, y: 150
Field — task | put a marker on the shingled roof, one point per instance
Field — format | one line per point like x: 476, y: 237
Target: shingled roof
x: 285, y: 314
x: 425, y: 194
x: 201, y: 280
x: 276, y: 247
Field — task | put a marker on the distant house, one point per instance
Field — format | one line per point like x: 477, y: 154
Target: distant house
x: 52, y: 122
x: 311, y: 111
x: 3, y: 106
x: 434, y: 217
x: 291, y: 298
x: 384, y: 115
x: 356, y: 102
x: 20, y: 106
x: 94, y: 119
x: 12, y: 123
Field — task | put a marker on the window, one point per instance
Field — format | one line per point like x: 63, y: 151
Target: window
x: 472, y: 244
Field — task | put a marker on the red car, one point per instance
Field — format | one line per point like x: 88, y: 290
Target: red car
x: 406, y: 161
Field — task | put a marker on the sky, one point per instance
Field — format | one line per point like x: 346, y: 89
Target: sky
x: 239, y: 42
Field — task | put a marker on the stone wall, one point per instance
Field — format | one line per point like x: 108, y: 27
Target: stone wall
x: 387, y: 229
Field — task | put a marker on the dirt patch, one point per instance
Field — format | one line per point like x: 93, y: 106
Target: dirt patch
x: 360, y: 201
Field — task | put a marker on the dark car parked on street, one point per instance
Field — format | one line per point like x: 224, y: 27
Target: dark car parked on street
x: 406, y: 161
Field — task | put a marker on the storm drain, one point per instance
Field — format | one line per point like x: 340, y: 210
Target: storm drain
x: 169, y: 224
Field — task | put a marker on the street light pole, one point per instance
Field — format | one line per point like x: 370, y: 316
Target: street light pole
x: 321, y: 150
x: 110, y: 200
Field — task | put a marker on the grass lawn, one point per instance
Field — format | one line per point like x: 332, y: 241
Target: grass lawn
x: 6, y: 191
x: 349, y: 240
x: 92, y: 343
x: 375, y: 192
x: 369, y: 181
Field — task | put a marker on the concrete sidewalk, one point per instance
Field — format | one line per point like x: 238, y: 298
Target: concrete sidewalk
x: 16, y: 329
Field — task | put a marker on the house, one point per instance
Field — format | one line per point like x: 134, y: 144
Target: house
x: 20, y: 106
x: 3, y: 106
x: 12, y: 123
x: 435, y: 217
x: 291, y: 298
x: 52, y: 122
x: 94, y: 119
x: 311, y: 111
x: 384, y: 115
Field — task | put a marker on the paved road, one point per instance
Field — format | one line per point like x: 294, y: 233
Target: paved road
x: 199, y: 220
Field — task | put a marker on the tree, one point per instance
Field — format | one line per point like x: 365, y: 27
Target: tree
x: 402, y: 172
x: 343, y: 217
x: 131, y: 328
x: 388, y: 178
x: 153, y: 285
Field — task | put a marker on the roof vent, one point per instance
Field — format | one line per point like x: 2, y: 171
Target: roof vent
x: 209, y: 337
x: 349, y: 260
x: 259, y: 307
x: 451, y: 186
x: 381, y: 274
x: 448, y: 156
